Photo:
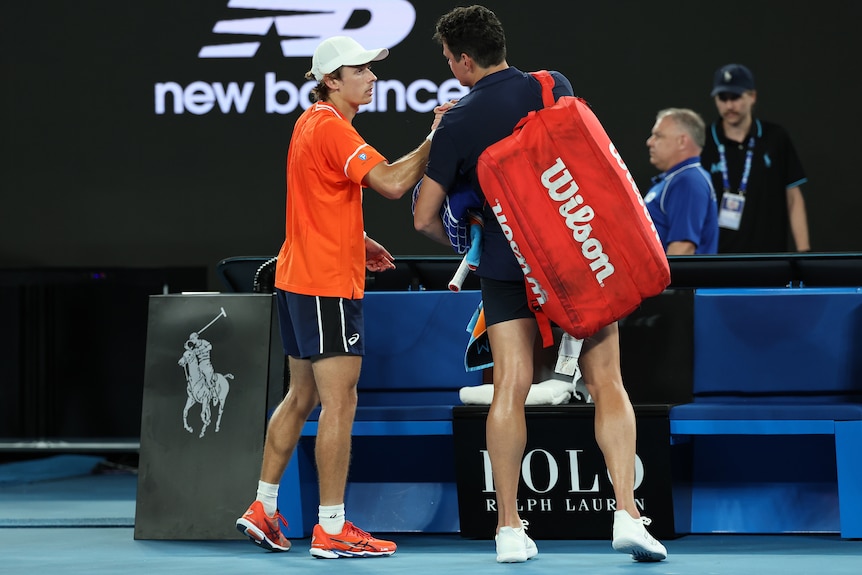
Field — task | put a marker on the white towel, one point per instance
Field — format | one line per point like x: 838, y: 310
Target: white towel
x: 548, y: 392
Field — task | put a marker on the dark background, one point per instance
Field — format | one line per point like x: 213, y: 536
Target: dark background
x: 92, y: 176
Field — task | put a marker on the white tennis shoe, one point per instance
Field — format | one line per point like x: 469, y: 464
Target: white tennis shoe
x: 631, y: 536
x: 514, y: 546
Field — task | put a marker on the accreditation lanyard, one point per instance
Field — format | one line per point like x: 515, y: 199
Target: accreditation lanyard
x: 746, y: 168
x: 732, y: 203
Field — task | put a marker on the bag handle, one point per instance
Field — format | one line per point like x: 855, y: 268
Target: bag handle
x: 547, y: 81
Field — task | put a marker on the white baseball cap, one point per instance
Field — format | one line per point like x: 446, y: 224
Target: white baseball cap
x: 339, y: 51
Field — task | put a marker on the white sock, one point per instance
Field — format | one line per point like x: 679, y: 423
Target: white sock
x: 331, y: 518
x: 267, y: 493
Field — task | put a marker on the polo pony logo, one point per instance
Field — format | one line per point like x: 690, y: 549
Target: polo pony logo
x: 203, y: 384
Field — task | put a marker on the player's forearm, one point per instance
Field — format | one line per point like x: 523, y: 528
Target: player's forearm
x: 394, y: 180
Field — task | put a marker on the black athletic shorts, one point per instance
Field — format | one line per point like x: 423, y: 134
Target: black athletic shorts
x: 504, y: 300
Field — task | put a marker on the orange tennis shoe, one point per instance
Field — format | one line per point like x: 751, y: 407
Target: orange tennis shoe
x: 263, y: 529
x: 351, y: 542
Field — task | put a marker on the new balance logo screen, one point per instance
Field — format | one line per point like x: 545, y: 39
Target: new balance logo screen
x: 289, y: 31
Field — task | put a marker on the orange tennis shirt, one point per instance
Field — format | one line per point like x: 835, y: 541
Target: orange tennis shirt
x: 324, y: 247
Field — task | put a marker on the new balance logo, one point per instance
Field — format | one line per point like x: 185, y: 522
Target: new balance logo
x: 302, y: 24
x: 295, y: 28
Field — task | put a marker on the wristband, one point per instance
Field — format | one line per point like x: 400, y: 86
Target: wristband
x: 430, y: 135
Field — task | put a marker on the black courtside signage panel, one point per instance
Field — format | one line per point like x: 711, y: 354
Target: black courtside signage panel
x: 565, y: 490
x: 297, y: 27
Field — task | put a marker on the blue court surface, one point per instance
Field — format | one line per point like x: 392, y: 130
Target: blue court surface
x: 58, y: 516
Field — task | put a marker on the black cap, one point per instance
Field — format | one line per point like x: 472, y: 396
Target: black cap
x: 733, y: 78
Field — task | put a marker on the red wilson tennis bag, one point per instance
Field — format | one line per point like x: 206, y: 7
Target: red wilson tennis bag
x: 574, y: 217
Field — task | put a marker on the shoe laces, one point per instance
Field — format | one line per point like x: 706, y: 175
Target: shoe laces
x: 279, y: 517
x: 351, y: 529
x: 646, y: 522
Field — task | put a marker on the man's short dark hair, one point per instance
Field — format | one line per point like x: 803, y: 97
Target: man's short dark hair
x: 475, y: 31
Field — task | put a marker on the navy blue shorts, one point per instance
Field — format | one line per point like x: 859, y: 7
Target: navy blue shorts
x: 504, y: 300
x: 315, y: 326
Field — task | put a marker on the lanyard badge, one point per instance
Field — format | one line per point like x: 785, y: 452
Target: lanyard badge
x: 730, y: 212
x: 732, y: 204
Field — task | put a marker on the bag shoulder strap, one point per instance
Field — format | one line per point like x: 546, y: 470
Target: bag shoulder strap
x: 547, y: 81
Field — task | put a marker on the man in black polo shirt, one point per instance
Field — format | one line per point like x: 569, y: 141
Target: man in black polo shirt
x: 755, y: 171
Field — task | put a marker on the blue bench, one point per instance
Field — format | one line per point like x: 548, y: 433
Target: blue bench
x: 776, y: 420
x: 402, y: 474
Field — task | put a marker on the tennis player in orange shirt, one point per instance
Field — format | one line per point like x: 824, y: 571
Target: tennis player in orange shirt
x: 320, y: 282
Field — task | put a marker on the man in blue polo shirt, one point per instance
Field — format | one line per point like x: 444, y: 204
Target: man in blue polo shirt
x: 474, y: 46
x: 682, y: 200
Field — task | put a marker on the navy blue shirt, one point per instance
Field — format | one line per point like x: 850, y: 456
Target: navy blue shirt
x: 486, y: 115
x: 683, y: 207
